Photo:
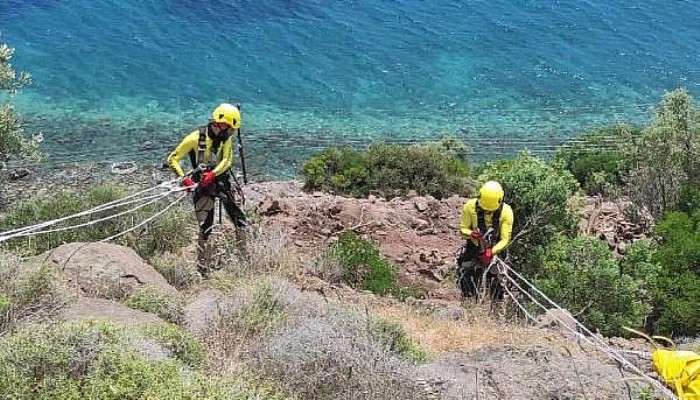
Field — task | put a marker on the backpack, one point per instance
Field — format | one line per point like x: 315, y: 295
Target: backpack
x: 679, y: 370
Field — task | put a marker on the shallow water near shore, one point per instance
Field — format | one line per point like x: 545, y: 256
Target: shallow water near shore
x: 503, y: 75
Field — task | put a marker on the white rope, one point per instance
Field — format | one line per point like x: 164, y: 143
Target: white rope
x: 607, y: 349
x: 103, y: 207
x: 147, y: 220
x: 153, y: 199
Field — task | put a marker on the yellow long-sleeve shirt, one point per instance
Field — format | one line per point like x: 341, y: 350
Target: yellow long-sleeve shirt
x: 469, y: 220
x: 224, y: 155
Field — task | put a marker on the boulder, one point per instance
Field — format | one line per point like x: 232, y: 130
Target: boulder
x: 106, y: 270
x: 89, y: 309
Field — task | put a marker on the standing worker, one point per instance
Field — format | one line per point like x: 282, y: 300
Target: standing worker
x: 210, y: 151
x: 486, y: 224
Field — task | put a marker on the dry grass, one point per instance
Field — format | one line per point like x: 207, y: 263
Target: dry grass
x: 266, y: 251
x: 29, y: 291
x: 439, y: 335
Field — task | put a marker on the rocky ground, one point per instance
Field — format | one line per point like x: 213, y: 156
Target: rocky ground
x: 477, y: 356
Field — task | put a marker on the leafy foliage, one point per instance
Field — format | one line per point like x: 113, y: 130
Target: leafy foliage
x: 13, y: 141
x: 665, y: 156
x: 398, y: 341
x: 185, y: 347
x: 438, y: 169
x: 154, y: 302
x: 678, y: 292
x: 581, y: 275
x: 364, y: 267
x: 598, y: 159
x: 538, y: 193
x: 89, y: 360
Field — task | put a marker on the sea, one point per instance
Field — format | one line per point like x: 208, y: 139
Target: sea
x: 125, y: 80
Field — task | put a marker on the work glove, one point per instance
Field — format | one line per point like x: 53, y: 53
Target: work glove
x: 487, y: 256
x: 476, y: 234
x: 208, y: 178
x: 188, y: 183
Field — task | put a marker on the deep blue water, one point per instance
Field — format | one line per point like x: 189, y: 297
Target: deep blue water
x: 502, y: 74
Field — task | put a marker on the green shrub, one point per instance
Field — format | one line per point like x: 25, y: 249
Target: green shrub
x: 183, y: 346
x: 154, y: 302
x: 260, y: 316
x: 677, y: 302
x: 89, y: 360
x: 165, y: 234
x: 539, y: 194
x: 598, y: 159
x: 678, y: 291
x: 175, y: 269
x: 581, y: 275
x: 689, y: 199
x: 341, y: 170
x: 13, y: 140
x: 365, y: 268
x: 398, y: 341
x: 436, y: 168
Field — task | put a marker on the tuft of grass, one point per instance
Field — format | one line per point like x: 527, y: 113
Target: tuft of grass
x: 28, y: 291
x: 398, y: 340
x: 182, y: 345
x: 180, y: 273
x: 151, y: 301
x: 266, y: 251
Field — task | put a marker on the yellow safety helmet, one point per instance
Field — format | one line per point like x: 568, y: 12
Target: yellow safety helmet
x: 491, y: 196
x: 227, y: 113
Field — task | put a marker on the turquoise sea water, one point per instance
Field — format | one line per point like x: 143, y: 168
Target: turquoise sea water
x: 502, y: 74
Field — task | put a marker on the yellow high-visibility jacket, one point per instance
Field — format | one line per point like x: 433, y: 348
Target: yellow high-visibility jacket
x: 470, y: 220
x: 224, y: 155
x: 679, y: 370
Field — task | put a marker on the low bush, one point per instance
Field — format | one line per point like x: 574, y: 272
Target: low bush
x: 435, y: 168
x: 398, y: 341
x: 183, y: 346
x: 154, y: 302
x: 89, y: 360
x: 179, y: 272
x: 324, y: 352
x: 598, y: 159
x: 678, y: 290
x: 364, y: 267
x: 581, y: 275
x: 27, y: 291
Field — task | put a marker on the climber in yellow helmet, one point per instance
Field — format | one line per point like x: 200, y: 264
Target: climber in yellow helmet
x: 210, y: 151
x: 486, y: 224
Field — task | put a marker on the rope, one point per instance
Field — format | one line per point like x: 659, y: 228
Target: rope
x: 604, y: 347
x: 147, y: 220
x: 39, y: 228
x: 153, y: 199
x: 106, y: 206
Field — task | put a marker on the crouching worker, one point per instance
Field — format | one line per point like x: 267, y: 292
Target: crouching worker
x: 486, y: 224
x: 210, y: 151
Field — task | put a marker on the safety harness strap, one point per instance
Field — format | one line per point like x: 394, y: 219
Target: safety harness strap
x: 495, y: 221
